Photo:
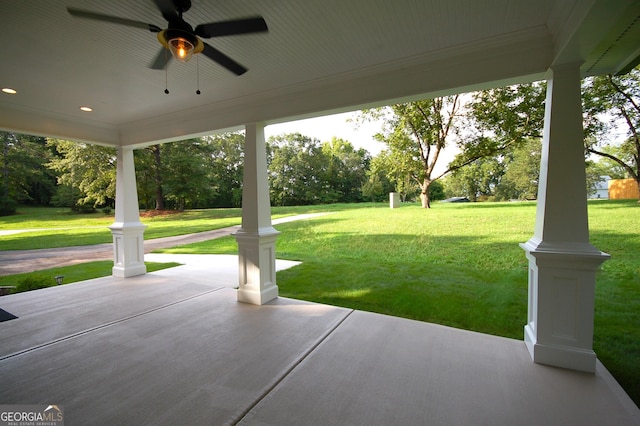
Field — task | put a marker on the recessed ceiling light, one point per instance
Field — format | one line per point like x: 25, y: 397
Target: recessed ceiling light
x: 86, y: 109
x: 9, y: 90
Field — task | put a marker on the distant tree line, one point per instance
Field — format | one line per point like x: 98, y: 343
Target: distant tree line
x: 497, y: 133
x: 195, y: 173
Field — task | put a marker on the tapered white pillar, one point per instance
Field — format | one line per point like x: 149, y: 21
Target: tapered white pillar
x: 127, y: 230
x: 562, y: 262
x: 256, y: 237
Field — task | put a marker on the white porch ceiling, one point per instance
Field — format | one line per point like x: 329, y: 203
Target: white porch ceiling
x: 319, y: 56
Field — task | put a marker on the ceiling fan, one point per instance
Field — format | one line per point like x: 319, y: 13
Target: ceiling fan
x: 181, y: 38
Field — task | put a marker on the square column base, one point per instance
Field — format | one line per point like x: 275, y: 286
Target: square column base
x: 129, y: 271
x: 560, y: 316
x: 128, y: 249
x: 257, y: 266
x: 258, y: 296
x: 559, y: 356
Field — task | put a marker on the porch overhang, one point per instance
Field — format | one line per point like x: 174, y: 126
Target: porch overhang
x: 313, y: 61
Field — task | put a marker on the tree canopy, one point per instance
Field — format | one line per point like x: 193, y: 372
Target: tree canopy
x: 25, y: 177
x: 302, y: 170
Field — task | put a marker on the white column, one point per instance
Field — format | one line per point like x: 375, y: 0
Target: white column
x: 256, y: 237
x: 562, y: 262
x: 127, y: 230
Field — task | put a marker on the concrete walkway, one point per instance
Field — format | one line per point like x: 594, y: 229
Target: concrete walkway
x: 18, y: 261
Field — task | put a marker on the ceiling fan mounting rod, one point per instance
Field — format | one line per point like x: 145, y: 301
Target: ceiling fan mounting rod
x: 182, y: 6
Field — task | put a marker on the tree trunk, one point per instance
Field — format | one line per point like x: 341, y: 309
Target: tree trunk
x: 424, y: 194
x: 638, y: 185
x: 158, y: 177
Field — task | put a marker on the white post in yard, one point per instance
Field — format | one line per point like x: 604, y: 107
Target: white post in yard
x: 127, y: 230
x: 256, y: 237
x: 394, y: 200
x: 562, y: 262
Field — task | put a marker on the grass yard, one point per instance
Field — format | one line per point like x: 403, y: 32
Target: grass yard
x: 59, y: 227
x: 458, y: 265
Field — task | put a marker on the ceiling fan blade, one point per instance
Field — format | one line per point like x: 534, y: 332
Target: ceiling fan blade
x: 167, y: 8
x: 219, y: 57
x: 161, y: 60
x: 236, y: 26
x: 113, y: 19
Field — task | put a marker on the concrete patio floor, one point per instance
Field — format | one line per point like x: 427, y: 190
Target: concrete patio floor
x: 174, y: 347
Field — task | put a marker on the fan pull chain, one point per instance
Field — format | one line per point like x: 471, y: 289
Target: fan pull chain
x: 197, y: 76
x: 166, y: 73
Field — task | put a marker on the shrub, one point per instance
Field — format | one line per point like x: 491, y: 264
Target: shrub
x: 83, y: 208
x: 34, y: 282
x: 8, y: 206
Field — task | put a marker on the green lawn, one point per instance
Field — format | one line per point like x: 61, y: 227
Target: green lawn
x: 455, y: 264
x: 58, y: 227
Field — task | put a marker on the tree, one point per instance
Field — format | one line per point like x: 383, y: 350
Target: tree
x: 185, y: 181
x: 401, y: 169
x: 478, y: 179
x: 177, y: 174
x: 613, y: 102
x: 296, y: 168
x: 148, y: 178
x: 225, y: 158
x: 508, y: 122
x: 25, y: 178
x: 511, y: 114
x: 605, y: 166
x: 378, y: 185
x: 522, y: 172
x: 158, y: 174
x: 416, y: 133
x: 7, y: 204
x: 346, y: 170
x: 87, y: 171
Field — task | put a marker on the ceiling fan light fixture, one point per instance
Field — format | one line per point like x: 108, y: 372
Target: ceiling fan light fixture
x: 182, y: 44
x: 181, y: 49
